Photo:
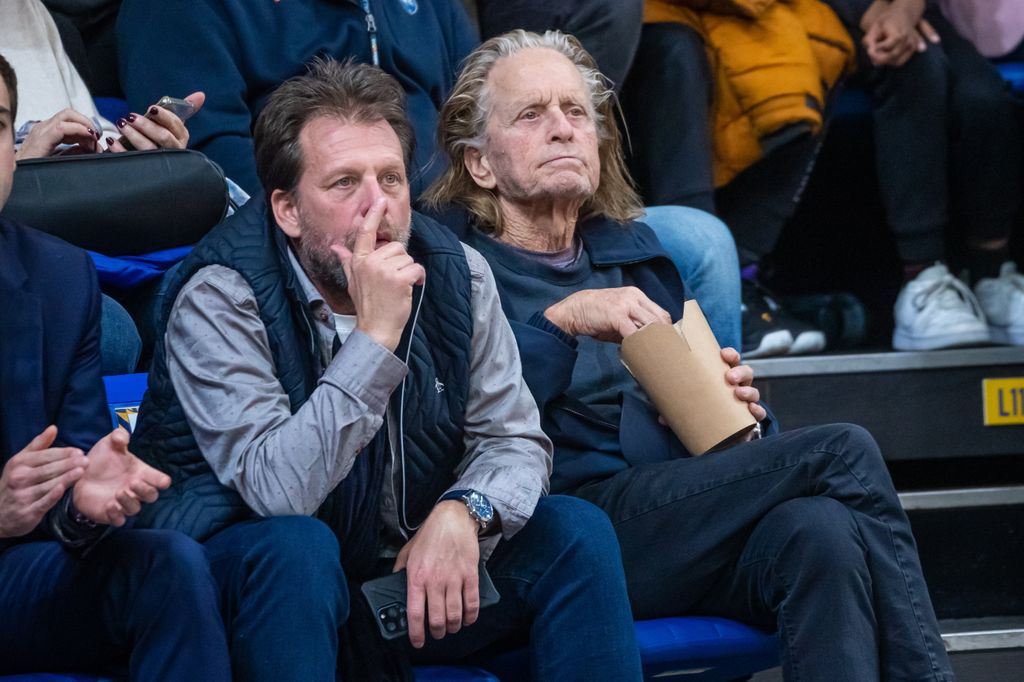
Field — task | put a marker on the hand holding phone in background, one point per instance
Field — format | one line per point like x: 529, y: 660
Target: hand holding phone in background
x: 162, y: 126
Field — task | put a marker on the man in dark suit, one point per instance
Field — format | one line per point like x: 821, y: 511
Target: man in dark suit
x: 74, y: 592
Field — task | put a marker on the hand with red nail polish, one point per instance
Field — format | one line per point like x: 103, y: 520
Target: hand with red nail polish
x: 67, y: 127
x: 159, y: 128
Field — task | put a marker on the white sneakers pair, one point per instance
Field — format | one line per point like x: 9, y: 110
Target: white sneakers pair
x: 937, y: 310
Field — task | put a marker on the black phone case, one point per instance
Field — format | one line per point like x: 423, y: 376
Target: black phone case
x: 386, y: 596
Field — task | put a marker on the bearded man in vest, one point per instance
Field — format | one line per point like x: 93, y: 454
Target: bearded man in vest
x: 336, y: 394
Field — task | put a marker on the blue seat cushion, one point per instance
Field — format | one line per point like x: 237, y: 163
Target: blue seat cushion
x: 721, y: 649
x: 701, y: 648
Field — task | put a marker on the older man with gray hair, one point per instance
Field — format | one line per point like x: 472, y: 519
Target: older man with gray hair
x: 801, y: 530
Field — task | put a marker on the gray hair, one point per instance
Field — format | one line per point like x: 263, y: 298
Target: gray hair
x: 463, y: 125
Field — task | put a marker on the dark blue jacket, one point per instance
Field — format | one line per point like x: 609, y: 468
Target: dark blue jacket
x: 49, y: 342
x: 238, y: 51
x: 549, y: 356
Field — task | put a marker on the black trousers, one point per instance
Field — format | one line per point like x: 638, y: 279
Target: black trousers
x: 666, y: 101
x: 608, y: 29
x: 802, y: 531
x: 947, y: 146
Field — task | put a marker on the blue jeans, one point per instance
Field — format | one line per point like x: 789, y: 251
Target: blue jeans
x: 120, y: 345
x: 560, y: 580
x: 144, y: 598
x: 801, y: 531
x: 704, y: 252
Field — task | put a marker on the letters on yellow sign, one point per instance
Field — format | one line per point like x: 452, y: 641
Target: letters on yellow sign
x: 1003, y: 401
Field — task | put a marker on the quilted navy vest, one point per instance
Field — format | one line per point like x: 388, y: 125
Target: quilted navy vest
x: 436, y: 342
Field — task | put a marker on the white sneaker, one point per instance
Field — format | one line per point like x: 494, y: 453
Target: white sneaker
x: 936, y: 310
x: 1002, y: 300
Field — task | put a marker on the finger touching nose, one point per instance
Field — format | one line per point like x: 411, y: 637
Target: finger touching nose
x: 372, y: 194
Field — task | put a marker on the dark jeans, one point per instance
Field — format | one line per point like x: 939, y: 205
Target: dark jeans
x: 143, y: 598
x: 120, y: 345
x: 947, y: 146
x: 801, y: 531
x: 608, y: 29
x: 560, y: 580
x: 667, y: 105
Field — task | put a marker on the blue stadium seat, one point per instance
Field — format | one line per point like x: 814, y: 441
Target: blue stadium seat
x: 704, y: 648
x: 691, y: 648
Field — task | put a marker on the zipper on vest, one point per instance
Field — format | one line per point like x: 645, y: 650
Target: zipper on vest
x: 371, y: 30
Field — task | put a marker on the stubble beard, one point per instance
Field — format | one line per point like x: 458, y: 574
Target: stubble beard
x: 323, y: 265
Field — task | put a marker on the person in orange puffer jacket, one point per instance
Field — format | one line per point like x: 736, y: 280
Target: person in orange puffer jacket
x: 725, y: 106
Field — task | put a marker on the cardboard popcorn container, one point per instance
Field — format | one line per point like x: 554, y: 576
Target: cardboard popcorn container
x: 680, y: 367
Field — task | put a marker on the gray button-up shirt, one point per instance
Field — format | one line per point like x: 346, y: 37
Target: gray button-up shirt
x: 281, y: 463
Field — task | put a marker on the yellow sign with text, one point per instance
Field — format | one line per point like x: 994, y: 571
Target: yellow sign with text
x: 1004, y: 401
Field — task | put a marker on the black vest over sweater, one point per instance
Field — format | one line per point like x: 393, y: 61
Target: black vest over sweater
x: 437, y: 342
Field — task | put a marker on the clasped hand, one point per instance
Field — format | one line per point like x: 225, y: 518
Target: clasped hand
x: 107, y: 486
x: 894, y: 31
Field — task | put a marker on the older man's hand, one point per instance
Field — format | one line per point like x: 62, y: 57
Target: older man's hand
x: 605, y: 314
x: 742, y: 377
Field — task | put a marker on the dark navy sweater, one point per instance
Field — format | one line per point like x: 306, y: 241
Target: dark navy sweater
x: 238, y: 51
x: 586, y: 424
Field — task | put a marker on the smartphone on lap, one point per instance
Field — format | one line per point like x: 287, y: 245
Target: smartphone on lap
x: 387, y: 598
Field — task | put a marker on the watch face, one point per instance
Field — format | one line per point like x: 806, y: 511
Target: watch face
x: 480, y: 507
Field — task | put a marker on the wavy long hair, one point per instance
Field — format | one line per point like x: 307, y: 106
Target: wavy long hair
x: 463, y: 124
